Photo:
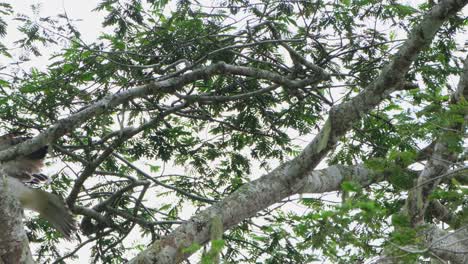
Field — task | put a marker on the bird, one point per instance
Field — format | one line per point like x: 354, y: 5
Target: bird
x: 25, y: 171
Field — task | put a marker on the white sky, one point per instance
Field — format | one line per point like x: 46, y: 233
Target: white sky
x: 89, y: 23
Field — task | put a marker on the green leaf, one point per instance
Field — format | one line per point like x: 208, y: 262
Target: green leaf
x: 350, y: 186
x: 191, y: 249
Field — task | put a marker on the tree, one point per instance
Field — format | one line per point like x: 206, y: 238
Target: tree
x: 223, y: 92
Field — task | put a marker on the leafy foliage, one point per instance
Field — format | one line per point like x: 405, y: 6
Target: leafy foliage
x: 192, y: 151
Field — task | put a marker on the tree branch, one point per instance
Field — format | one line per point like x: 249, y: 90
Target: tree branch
x: 451, y: 246
x: 14, y: 244
x: 439, y: 162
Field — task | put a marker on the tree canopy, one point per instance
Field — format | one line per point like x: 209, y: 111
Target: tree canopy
x: 247, y: 131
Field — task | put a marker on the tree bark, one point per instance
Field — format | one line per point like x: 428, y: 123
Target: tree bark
x: 451, y: 246
x: 14, y: 244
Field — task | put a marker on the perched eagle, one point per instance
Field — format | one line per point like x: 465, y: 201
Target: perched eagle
x: 27, y: 169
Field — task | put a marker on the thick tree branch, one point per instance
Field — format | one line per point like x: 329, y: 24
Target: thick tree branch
x: 438, y: 164
x: 438, y: 243
x: 14, y: 244
x: 451, y: 246
x: 285, y: 180
x: 331, y: 178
